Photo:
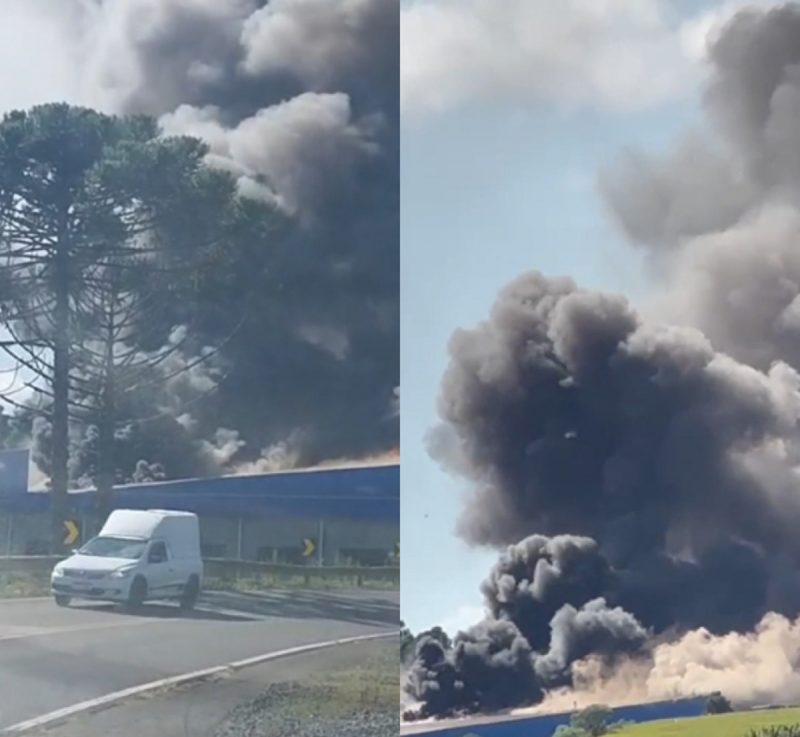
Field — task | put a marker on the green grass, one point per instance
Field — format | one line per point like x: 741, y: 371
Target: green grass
x: 265, y: 582
x: 373, y: 685
x: 737, y: 724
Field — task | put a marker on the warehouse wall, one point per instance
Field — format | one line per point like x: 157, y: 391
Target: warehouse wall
x: 282, y: 540
x: 272, y: 539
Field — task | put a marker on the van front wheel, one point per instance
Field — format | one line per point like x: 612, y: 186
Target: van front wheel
x: 137, y: 593
x: 62, y: 600
x: 190, y: 593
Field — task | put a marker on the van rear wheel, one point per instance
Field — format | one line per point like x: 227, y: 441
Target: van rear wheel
x: 137, y: 593
x: 190, y: 593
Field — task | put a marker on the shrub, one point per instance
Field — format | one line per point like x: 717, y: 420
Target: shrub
x: 593, y: 720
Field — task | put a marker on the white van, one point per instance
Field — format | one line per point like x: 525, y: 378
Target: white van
x: 138, y: 555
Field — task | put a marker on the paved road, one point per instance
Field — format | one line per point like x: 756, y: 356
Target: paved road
x: 51, y: 657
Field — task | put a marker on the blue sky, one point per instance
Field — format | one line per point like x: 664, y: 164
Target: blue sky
x: 494, y: 183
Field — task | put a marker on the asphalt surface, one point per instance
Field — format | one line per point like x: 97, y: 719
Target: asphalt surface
x: 51, y: 658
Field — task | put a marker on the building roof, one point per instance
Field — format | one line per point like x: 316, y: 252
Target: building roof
x: 366, y: 492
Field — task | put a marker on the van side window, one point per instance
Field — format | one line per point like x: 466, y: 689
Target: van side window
x: 158, y: 553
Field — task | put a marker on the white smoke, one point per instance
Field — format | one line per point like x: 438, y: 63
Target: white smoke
x: 751, y: 669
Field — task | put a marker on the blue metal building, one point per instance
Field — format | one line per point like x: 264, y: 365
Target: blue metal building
x: 368, y: 493
x: 352, y: 514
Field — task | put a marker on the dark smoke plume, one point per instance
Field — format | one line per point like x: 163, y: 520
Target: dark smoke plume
x: 575, y: 416
x: 490, y: 666
x: 649, y: 465
x: 515, y: 655
x: 538, y: 576
x: 299, y: 100
x: 592, y: 630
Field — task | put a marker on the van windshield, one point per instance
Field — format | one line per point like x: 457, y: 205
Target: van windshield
x: 114, y: 547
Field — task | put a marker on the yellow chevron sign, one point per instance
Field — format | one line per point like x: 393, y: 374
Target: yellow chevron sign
x: 309, y: 546
x: 73, y: 532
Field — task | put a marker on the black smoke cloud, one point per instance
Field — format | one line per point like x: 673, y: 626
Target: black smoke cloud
x: 516, y: 654
x: 578, y: 417
x: 637, y: 454
x: 299, y: 99
x: 649, y: 465
x: 490, y: 666
x: 538, y: 576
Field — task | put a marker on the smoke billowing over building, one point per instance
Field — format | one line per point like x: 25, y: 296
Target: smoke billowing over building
x: 642, y: 473
x: 298, y: 99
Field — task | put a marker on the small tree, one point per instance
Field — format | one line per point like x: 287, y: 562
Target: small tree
x: 593, y: 720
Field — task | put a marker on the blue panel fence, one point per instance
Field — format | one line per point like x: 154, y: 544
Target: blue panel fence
x: 545, y: 725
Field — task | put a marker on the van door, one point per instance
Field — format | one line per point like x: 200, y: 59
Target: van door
x: 159, y: 569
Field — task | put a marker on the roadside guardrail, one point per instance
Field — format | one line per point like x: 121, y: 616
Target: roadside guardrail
x: 231, y: 569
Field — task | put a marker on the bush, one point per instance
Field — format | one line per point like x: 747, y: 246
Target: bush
x: 593, y: 721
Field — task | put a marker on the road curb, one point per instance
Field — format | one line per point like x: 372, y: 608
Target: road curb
x: 84, y: 707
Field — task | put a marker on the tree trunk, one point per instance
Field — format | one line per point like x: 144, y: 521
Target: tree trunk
x: 105, y: 468
x: 61, y: 368
x: 105, y: 461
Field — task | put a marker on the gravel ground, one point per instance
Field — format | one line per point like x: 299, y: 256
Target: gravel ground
x: 348, y: 691
x: 358, y: 702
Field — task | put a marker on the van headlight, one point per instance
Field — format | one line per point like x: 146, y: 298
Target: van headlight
x: 121, y: 572
x: 58, y: 572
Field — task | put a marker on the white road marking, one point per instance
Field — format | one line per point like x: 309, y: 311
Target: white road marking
x: 59, y: 715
